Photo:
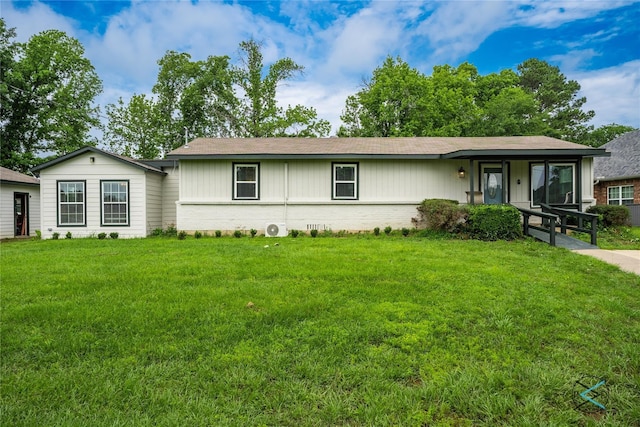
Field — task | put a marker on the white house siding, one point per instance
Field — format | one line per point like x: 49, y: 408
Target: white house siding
x: 170, y: 192
x: 7, y: 218
x: 153, y: 201
x: 389, y: 192
x: 80, y: 168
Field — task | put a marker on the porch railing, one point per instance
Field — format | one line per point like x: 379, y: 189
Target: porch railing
x: 550, y: 219
x: 564, y: 214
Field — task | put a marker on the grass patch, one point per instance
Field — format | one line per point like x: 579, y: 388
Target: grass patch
x: 611, y: 238
x: 356, y: 331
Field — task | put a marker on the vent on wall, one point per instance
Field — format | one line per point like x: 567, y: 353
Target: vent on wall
x: 273, y: 229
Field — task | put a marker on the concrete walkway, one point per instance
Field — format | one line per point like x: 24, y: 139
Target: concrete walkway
x: 626, y: 260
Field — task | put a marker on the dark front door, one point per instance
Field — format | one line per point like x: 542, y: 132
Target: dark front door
x: 492, y: 182
x: 20, y: 211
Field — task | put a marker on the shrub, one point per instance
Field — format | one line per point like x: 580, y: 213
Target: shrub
x: 197, y: 234
x: 38, y: 235
x: 102, y: 236
x: 218, y: 233
x: 376, y: 231
x: 68, y: 235
x: 171, y: 231
x: 182, y: 235
x: 439, y: 214
x: 253, y: 232
x: 237, y: 234
x: 294, y: 233
x: 405, y: 231
x: 494, y: 222
x: 114, y: 235
x: 55, y: 236
x: 387, y: 230
x: 314, y: 232
x: 611, y: 215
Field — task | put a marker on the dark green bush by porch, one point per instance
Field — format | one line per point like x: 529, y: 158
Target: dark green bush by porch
x: 439, y: 215
x: 494, y: 222
x: 611, y: 215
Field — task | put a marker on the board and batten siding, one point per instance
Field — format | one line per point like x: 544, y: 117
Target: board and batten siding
x: 81, y: 168
x: 170, y: 192
x: 389, y: 192
x: 7, y: 216
x: 153, y: 201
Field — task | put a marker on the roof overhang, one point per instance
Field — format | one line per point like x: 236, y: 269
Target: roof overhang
x: 526, y: 154
x: 271, y: 156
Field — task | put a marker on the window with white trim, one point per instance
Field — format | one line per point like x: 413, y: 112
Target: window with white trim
x: 620, y: 195
x: 345, y: 181
x: 561, y: 183
x: 245, y: 181
x: 71, y: 203
x: 115, y: 202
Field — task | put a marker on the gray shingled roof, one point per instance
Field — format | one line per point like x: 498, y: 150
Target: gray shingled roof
x: 624, y: 161
x: 417, y: 147
x: 8, y: 175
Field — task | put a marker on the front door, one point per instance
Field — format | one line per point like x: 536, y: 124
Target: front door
x: 492, y: 185
x: 20, y: 211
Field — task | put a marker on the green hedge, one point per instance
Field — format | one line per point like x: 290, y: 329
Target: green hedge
x: 494, y: 222
x: 611, y: 215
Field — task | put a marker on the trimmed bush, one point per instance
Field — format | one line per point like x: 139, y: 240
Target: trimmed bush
x: 376, y: 231
x: 182, y: 235
x: 55, y: 236
x: 102, y: 236
x: 439, y: 215
x: 237, y: 234
x: 294, y: 233
x: 218, y: 233
x: 387, y: 230
x: 253, y: 232
x: 314, y: 232
x: 494, y: 222
x: 611, y: 215
x: 114, y: 235
x: 68, y: 235
x: 197, y: 234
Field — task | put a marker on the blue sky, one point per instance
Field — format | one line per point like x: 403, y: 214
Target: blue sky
x: 596, y: 43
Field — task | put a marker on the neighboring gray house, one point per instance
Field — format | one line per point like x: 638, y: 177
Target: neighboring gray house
x: 90, y: 191
x: 19, y: 204
x: 617, y: 178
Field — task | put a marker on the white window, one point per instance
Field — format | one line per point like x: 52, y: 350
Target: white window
x: 620, y: 195
x: 245, y: 182
x: 71, y: 203
x: 345, y: 181
x: 561, y: 184
x: 115, y: 202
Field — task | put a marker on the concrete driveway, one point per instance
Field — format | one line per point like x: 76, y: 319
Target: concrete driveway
x: 626, y: 260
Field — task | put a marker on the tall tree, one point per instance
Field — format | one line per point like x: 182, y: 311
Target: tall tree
x: 392, y: 103
x: 604, y: 134
x: 557, y: 99
x: 259, y: 114
x: 50, y: 88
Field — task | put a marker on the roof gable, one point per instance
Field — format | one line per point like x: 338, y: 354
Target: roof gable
x: 625, y: 158
x: 89, y: 149
x: 11, y: 176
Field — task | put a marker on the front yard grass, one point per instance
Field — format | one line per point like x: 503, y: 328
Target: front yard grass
x: 328, y: 331
x: 614, y: 238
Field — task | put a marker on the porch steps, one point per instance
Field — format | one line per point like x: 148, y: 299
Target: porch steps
x: 562, y: 240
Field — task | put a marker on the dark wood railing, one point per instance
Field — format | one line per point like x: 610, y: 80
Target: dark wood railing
x: 564, y: 214
x: 550, y: 219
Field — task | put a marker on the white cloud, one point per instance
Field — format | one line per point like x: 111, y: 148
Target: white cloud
x: 614, y: 93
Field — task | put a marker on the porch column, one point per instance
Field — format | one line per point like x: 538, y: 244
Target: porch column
x: 546, y: 182
x: 578, y: 194
x: 471, y: 185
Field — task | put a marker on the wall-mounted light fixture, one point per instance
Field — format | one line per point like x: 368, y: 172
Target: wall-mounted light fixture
x: 461, y: 172
x: 92, y: 159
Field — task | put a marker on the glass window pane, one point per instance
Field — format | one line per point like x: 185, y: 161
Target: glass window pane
x: 627, y: 192
x: 246, y: 173
x: 345, y: 173
x: 345, y: 190
x: 246, y: 190
x: 614, y: 192
x: 537, y: 184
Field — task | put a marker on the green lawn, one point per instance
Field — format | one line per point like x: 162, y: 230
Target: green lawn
x: 369, y: 331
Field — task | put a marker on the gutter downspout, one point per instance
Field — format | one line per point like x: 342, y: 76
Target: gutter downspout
x: 286, y: 191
